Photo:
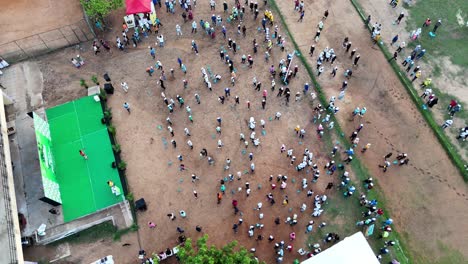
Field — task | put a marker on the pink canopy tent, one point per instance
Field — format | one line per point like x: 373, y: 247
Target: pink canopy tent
x: 138, y: 6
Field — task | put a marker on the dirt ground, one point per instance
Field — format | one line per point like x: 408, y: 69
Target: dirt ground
x: 427, y: 197
x: 41, y: 16
x: 152, y: 162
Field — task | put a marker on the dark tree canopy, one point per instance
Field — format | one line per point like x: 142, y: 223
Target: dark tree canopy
x: 213, y: 255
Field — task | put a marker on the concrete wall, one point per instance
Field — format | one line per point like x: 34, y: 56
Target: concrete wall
x: 10, y: 237
x: 45, y: 42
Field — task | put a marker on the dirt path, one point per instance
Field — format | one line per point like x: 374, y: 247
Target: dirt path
x: 428, y: 197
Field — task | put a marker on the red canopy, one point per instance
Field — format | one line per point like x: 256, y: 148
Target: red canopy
x: 138, y: 6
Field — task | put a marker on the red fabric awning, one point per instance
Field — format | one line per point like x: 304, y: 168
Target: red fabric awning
x: 138, y: 6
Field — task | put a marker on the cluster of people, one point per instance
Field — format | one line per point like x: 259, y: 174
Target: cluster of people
x: 401, y: 159
x: 78, y: 61
x: 323, y: 115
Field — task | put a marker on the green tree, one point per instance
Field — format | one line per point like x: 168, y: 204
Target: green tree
x: 98, y: 9
x: 213, y: 255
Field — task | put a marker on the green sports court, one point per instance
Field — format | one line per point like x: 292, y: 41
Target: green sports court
x: 76, y: 126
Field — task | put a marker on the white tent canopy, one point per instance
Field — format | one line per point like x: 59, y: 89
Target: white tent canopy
x: 351, y: 250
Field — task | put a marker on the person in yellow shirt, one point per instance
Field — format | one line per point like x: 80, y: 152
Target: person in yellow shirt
x: 416, y: 76
x: 297, y: 129
x: 377, y: 39
x: 426, y: 82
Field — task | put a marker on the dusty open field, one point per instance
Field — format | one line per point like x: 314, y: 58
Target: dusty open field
x: 165, y: 188
x: 427, y: 198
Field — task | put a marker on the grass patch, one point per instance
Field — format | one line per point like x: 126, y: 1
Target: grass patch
x: 119, y: 233
x: 451, y: 37
x: 98, y: 232
x: 437, y: 72
x: 451, y: 256
x: 92, y: 234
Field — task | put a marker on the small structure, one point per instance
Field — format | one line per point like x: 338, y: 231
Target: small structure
x: 351, y: 250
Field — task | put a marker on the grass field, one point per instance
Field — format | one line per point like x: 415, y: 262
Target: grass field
x: 83, y: 183
x: 450, y: 41
x: 451, y: 37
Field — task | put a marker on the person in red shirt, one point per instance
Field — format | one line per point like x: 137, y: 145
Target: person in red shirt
x: 380, y: 211
x: 83, y: 154
x: 427, y: 22
x: 452, y: 104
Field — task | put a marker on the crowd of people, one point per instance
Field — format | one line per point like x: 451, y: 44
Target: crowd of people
x: 281, y: 76
x: 412, y: 67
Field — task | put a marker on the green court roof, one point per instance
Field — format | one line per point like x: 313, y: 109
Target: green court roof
x: 83, y: 183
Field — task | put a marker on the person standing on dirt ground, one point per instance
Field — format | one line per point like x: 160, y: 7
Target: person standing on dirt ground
x: 194, y: 47
x: 334, y: 71
x: 320, y: 70
x: 394, y: 40
x: 126, y: 106
x: 356, y: 59
x: 325, y: 15
x: 400, y: 17
x: 152, y: 52
x: 395, y: 55
x: 170, y: 130
x: 385, y: 166
x: 194, y: 27
x: 190, y: 144
x: 401, y: 46
x: 437, y: 25
x: 368, y: 19
x: 348, y: 46
x: 365, y: 148
x: 96, y: 48
x: 219, y: 197
x: 301, y: 17
x: 388, y: 155
x: 312, y: 49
